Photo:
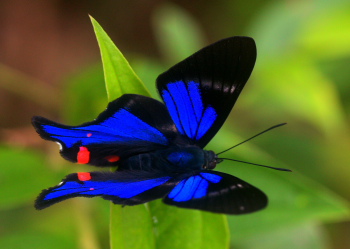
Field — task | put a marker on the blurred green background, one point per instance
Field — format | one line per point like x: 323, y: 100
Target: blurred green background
x: 50, y: 66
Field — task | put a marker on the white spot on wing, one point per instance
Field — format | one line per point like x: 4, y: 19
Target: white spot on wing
x: 59, y: 145
x: 239, y: 185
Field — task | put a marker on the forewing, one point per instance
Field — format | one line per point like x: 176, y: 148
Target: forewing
x: 216, y: 192
x: 125, y: 188
x: 130, y: 125
x: 201, y: 90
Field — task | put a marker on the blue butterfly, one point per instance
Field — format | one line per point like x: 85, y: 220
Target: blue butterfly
x: 158, y: 147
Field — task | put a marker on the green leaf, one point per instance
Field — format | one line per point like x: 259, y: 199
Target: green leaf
x: 153, y: 225
x: 178, y: 228
x: 311, y: 105
x: 148, y: 70
x: 156, y: 225
x: 328, y: 20
x: 308, y: 235
x: 85, y: 96
x: 287, y: 72
x: 131, y: 227
x: 177, y: 32
x: 20, y: 182
x: 33, y: 239
x: 119, y: 76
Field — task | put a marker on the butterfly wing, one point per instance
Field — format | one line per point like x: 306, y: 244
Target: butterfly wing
x: 130, y: 125
x: 125, y: 188
x: 216, y: 192
x: 201, y: 90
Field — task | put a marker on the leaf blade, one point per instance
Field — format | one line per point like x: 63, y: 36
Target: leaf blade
x: 119, y: 76
x: 121, y: 79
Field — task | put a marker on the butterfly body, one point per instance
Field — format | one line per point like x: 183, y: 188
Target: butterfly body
x: 175, y: 159
x: 158, y: 148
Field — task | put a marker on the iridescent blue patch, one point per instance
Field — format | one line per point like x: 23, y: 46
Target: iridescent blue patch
x: 211, y: 177
x: 123, y: 126
x: 187, y: 110
x: 194, y: 187
x: 113, y: 188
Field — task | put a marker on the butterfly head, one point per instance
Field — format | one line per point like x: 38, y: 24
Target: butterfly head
x: 211, y: 160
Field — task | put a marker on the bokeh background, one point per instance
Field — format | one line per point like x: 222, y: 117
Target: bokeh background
x: 50, y: 66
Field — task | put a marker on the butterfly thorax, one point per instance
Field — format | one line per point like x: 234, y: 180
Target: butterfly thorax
x: 175, y: 159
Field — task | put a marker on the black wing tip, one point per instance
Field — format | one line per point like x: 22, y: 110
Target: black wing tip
x: 40, y: 203
x: 239, y: 38
x: 38, y: 122
x: 243, y: 40
x: 243, y: 43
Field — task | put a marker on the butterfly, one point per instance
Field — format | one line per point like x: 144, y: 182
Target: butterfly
x: 158, y: 147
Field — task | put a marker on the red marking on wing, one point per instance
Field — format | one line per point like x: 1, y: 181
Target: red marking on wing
x: 84, y: 176
x: 89, y: 134
x: 113, y: 158
x: 83, y: 156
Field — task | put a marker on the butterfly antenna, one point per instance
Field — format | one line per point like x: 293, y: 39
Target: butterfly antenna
x: 281, y: 169
x: 273, y: 127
